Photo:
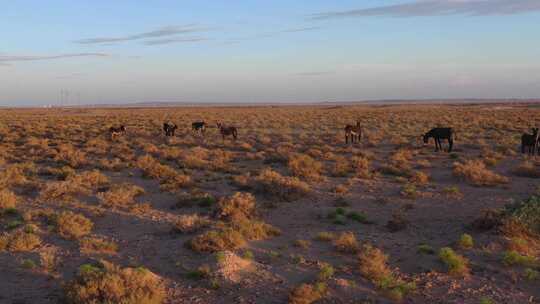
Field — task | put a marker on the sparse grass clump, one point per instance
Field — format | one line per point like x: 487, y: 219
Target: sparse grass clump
x: 307, y: 293
x: 71, y: 225
x: 8, y: 200
x: 303, y: 166
x: 122, y: 195
x: 373, y: 265
x: 241, y: 205
x: 525, y: 214
x: 218, y: 240
x: 108, y: 283
x: 466, y: 241
x: 512, y: 257
x: 274, y: 184
x: 476, y: 173
x: 19, y: 241
x: 190, y: 223
x: 325, y: 236
x: 457, y: 265
x: 346, y: 243
x: 93, y: 245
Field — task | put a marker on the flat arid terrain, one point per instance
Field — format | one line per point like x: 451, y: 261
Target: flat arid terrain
x: 287, y: 213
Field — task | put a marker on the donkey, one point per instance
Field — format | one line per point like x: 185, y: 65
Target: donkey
x: 114, y: 131
x: 227, y: 131
x: 169, y: 128
x: 353, y: 132
x: 198, y: 126
x: 438, y: 134
x: 529, y: 142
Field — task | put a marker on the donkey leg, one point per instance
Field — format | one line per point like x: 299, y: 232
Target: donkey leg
x: 450, y: 145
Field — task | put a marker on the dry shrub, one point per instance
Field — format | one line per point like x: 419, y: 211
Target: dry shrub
x: 527, y: 169
x: 341, y: 167
x: 274, y: 184
x: 305, y: 167
x: 195, y: 158
x: 71, y: 225
x: 360, y: 165
x: 92, y: 245
x: 240, y: 205
x: 74, y: 185
x: 122, y: 195
x: 17, y: 175
x: 238, y: 211
x: 175, y: 183
x: 63, y: 191
x: 190, y: 223
x: 255, y: 230
x: 476, y: 173
x: 115, y: 164
x: 8, y: 200
x: 89, y: 179
x: 218, y: 240
x: 153, y: 169
x: 219, y: 160
x: 108, y: 283
x: 307, y: 293
x: 373, y: 264
x: 19, y: 241
x: 346, y: 242
x: 419, y: 178
x: 69, y: 155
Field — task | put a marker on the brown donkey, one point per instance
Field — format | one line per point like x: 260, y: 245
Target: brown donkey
x: 115, y: 132
x: 353, y: 132
x: 227, y: 131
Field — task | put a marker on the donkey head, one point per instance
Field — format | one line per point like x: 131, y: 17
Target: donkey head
x: 425, y: 138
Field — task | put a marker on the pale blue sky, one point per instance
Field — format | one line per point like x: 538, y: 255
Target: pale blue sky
x: 273, y: 51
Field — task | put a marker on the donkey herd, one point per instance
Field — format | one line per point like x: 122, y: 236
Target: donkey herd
x: 530, y: 143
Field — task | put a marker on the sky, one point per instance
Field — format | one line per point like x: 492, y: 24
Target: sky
x: 66, y: 52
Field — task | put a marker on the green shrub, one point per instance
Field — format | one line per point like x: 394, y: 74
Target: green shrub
x: 457, y: 265
x: 466, y: 241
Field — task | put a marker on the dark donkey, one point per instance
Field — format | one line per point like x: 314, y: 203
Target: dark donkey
x: 438, y: 134
x: 529, y: 142
x: 198, y: 126
x: 227, y: 131
x: 169, y: 128
x: 117, y: 131
x: 353, y: 132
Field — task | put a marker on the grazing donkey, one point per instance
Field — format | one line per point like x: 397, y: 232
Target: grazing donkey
x: 354, y: 132
x: 114, y: 131
x: 529, y: 142
x: 438, y: 134
x: 169, y: 128
x: 227, y: 131
x: 199, y: 126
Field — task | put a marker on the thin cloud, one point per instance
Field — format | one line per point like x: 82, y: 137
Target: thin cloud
x: 17, y: 58
x: 161, y: 32
x: 174, y: 40
x: 301, y: 29
x: 273, y: 34
x: 421, y: 8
